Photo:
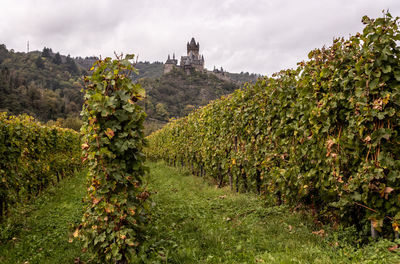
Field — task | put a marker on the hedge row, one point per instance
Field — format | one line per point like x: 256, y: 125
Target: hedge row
x: 32, y: 156
x: 325, y: 135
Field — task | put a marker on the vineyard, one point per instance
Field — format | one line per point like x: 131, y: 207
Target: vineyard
x: 33, y: 156
x: 324, y: 136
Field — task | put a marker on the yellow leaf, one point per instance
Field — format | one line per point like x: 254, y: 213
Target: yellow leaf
x: 96, y: 200
x: 76, y: 233
x: 110, y: 133
x: 131, y: 211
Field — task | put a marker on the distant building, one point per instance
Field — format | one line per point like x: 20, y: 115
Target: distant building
x: 193, y: 60
x: 170, y: 64
x: 220, y: 73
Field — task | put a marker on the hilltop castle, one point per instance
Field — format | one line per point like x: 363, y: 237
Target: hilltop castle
x: 193, y: 60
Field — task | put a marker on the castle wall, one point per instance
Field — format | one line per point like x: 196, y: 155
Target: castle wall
x: 168, y: 68
x: 220, y: 75
x: 198, y: 67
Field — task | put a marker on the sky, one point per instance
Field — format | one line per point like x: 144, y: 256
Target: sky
x: 256, y: 36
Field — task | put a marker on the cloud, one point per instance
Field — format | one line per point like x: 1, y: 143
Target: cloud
x: 261, y: 36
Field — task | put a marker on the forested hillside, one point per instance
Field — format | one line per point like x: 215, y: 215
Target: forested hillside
x: 179, y: 93
x: 47, y: 86
x: 148, y: 70
x: 42, y: 84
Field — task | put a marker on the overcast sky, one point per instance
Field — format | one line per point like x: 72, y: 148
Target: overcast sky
x: 261, y: 36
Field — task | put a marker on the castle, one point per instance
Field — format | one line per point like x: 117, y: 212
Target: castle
x: 193, y: 60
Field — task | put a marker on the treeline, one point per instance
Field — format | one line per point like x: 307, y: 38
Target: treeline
x: 43, y: 84
x: 33, y: 156
x: 47, y: 85
x: 325, y: 135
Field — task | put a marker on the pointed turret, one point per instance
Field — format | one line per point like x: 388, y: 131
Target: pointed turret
x: 192, y: 46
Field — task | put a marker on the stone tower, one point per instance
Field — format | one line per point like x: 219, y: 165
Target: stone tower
x: 192, y: 47
x: 193, y: 60
x: 170, y: 64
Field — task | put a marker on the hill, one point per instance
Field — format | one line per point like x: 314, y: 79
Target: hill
x: 148, y: 70
x: 176, y: 94
x: 42, y: 84
x: 47, y: 85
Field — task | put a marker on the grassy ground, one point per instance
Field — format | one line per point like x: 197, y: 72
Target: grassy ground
x: 198, y: 223
x: 193, y: 222
x: 39, y: 232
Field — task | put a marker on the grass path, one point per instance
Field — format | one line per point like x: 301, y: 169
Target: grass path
x: 193, y: 222
x: 40, y: 231
x: 198, y: 223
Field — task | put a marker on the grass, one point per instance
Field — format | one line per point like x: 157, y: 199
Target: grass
x: 195, y: 222
x: 39, y: 232
x: 192, y: 222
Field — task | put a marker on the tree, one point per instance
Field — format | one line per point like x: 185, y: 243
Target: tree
x: 39, y: 63
x: 57, y: 58
x: 46, y: 53
x: 71, y: 65
x: 161, y: 112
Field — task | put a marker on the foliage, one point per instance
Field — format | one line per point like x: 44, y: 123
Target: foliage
x: 40, y: 231
x: 46, y: 85
x: 33, y: 156
x: 243, y: 77
x: 146, y: 69
x: 325, y: 135
x: 116, y: 211
x: 175, y: 94
x: 194, y: 222
x: 71, y: 122
x: 39, y: 84
x: 57, y: 59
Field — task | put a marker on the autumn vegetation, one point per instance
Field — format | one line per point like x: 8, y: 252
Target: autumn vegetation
x: 324, y: 136
x: 299, y: 167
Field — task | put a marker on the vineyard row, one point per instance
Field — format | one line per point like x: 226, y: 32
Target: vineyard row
x: 324, y: 135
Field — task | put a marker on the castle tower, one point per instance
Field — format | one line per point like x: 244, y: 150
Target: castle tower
x: 193, y: 47
x: 170, y: 64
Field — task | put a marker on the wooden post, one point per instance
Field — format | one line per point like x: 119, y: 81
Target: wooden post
x: 221, y: 176
x: 374, y: 233
x: 258, y: 180
x: 230, y: 178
